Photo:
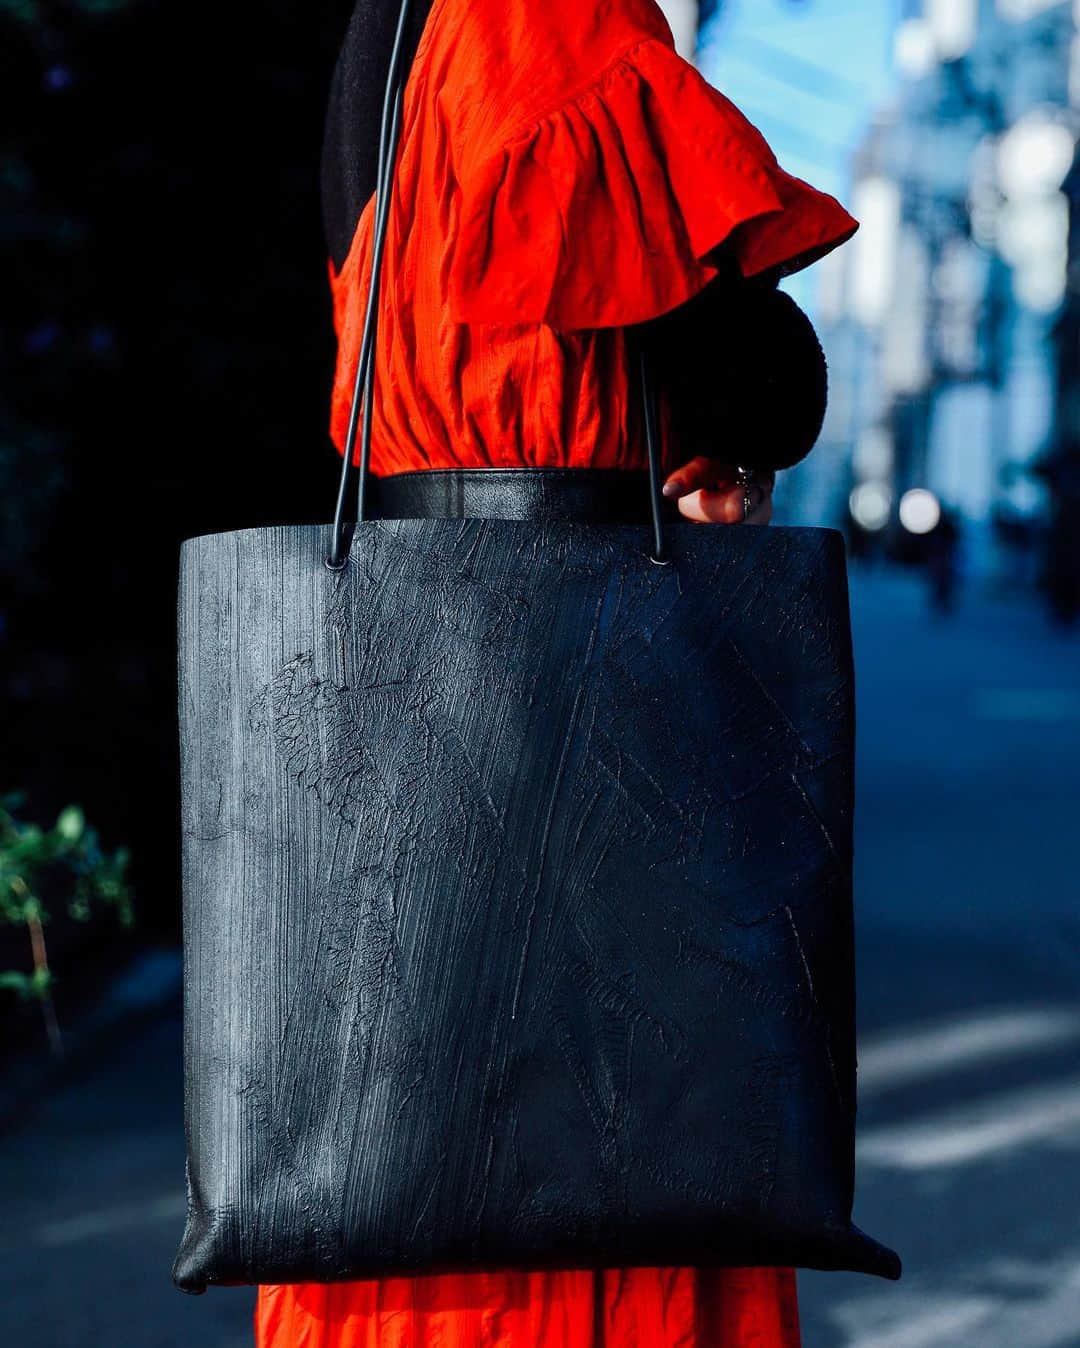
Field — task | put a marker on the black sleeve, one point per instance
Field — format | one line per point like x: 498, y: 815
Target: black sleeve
x: 350, y: 150
x: 743, y: 371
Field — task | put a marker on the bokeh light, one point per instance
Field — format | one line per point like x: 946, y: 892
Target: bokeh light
x: 920, y: 511
x: 870, y: 503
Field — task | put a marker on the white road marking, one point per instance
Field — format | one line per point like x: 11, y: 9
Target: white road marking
x: 924, y: 1052
x: 995, y: 1124
x: 90, y: 1225
x: 1008, y: 1303
x: 1052, y: 1321
x: 929, y: 1323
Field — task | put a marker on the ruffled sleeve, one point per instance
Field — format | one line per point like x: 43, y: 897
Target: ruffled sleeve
x: 603, y: 211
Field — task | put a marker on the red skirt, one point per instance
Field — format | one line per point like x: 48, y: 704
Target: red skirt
x: 609, y: 1308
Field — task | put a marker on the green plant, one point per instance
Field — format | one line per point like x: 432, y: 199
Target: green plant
x: 43, y: 868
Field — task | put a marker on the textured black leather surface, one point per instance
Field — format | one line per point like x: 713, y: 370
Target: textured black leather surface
x: 598, y: 495
x: 517, y: 901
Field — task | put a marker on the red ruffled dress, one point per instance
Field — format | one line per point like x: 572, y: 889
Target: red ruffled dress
x: 562, y: 174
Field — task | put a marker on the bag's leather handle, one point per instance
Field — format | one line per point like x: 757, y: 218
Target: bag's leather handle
x: 652, y: 444
x: 365, y: 369
x: 389, y: 133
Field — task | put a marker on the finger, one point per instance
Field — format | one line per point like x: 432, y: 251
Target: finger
x: 699, y: 472
x: 726, y: 505
x: 719, y: 506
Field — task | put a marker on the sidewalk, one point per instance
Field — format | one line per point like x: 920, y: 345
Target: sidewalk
x: 94, y: 1201
x: 969, y: 977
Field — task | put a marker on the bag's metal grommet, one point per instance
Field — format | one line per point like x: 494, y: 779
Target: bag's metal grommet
x: 331, y: 565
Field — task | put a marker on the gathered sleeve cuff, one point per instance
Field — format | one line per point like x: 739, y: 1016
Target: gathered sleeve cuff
x: 604, y: 211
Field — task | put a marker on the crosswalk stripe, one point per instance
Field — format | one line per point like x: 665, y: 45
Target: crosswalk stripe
x: 933, y: 1325
x: 1021, y: 1304
x: 924, y: 1052
x: 997, y: 1123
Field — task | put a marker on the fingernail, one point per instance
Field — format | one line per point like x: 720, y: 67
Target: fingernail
x: 671, y: 488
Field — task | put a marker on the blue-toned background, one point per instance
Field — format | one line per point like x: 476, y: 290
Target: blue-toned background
x: 165, y: 346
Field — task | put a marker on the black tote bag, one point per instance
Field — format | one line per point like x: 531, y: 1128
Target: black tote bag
x: 517, y: 893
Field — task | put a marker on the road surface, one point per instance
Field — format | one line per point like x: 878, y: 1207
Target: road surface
x: 969, y: 995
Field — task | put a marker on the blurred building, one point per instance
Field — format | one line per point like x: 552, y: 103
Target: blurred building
x: 943, y: 318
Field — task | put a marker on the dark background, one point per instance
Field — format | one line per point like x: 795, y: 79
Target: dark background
x: 166, y: 353
x: 165, y: 359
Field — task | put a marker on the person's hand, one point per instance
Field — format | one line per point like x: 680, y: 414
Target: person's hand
x: 708, y: 493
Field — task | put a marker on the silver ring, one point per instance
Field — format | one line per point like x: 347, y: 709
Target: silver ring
x: 745, y: 478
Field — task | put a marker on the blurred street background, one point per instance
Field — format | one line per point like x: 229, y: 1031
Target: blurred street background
x: 165, y: 348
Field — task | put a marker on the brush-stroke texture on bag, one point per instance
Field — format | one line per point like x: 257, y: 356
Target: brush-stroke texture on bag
x: 517, y: 901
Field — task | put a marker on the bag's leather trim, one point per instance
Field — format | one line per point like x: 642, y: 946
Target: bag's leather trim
x: 590, y: 495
